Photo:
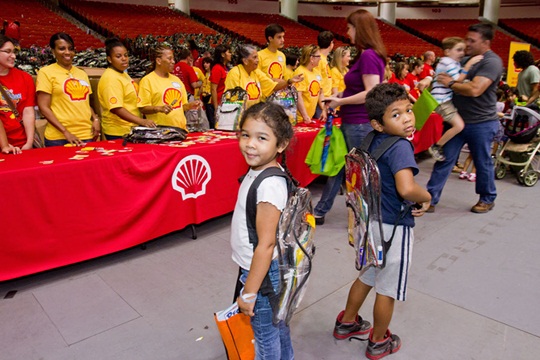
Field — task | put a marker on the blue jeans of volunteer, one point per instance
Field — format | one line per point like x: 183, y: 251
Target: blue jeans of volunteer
x: 479, y: 137
x: 354, y: 135
x: 272, y: 342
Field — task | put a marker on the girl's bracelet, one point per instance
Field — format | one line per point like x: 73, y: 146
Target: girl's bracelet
x: 248, y: 298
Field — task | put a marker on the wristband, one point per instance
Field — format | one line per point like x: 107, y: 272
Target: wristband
x: 463, y: 71
x: 248, y: 298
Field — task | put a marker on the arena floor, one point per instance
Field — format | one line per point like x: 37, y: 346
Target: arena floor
x: 473, y: 293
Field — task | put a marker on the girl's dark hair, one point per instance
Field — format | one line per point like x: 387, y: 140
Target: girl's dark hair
x: 219, y: 51
x: 367, y: 34
x: 206, y: 60
x: 155, y: 53
x: 5, y: 39
x: 381, y: 97
x: 277, y: 119
x: 61, y: 36
x: 111, y: 43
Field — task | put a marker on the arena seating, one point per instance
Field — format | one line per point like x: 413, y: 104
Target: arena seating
x: 128, y: 20
x: 440, y: 29
x: 38, y: 23
x: 252, y: 25
x: 395, y: 39
x: 527, y: 29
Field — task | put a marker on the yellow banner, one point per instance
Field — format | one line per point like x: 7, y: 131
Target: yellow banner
x: 511, y: 77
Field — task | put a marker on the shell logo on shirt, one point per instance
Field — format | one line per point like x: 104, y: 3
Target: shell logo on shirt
x: 314, y: 88
x: 172, y: 97
x: 275, y: 70
x: 76, y: 90
x: 253, y: 90
x: 113, y: 100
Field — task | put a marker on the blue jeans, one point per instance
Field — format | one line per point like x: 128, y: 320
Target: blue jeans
x: 479, y: 137
x: 354, y: 135
x: 272, y: 342
x: 62, y: 142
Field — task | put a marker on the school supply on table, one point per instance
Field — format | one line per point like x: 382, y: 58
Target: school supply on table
x: 229, y: 112
x: 363, y: 201
x: 423, y: 107
x: 288, y: 99
x: 294, y: 240
x: 236, y: 333
x: 159, y: 134
x: 327, y: 153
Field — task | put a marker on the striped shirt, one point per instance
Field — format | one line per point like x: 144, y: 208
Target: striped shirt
x: 448, y: 66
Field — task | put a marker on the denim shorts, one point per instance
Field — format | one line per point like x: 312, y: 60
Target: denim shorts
x: 272, y: 342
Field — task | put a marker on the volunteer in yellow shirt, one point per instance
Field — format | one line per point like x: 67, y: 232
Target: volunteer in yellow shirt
x: 63, y: 97
x: 118, y: 94
x: 325, y: 40
x: 272, y: 62
x: 339, y: 67
x: 310, y: 90
x: 247, y: 76
x: 163, y: 95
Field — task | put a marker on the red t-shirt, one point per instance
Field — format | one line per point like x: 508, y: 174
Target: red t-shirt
x: 21, y: 90
x: 428, y: 71
x: 186, y: 73
x: 217, y: 76
x: 412, y: 80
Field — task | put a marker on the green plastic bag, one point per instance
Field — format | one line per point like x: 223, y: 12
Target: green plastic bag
x: 336, y: 153
x: 423, y: 107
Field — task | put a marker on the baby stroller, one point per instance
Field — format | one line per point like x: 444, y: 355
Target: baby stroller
x: 520, y: 153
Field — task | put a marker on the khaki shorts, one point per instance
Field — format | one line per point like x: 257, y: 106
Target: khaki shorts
x: 447, y: 110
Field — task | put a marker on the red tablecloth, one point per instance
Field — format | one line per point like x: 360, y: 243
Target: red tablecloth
x: 72, y: 210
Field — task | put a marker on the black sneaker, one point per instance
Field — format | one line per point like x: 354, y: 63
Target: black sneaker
x: 346, y: 330
x: 377, y: 350
x: 319, y: 220
x: 437, y: 153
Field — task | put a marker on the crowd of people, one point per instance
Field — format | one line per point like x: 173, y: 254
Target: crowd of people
x: 370, y: 95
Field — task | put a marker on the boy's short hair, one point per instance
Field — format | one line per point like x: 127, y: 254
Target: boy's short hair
x: 449, y: 42
x: 324, y: 39
x: 291, y: 59
x: 381, y: 97
x: 273, y: 29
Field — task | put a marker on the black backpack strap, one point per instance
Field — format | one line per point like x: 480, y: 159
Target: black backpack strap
x: 266, y: 289
x: 251, y: 201
x: 366, y: 143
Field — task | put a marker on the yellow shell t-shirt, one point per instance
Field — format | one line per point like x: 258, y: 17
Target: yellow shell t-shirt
x: 324, y: 70
x: 157, y: 91
x: 70, y: 100
x: 117, y: 90
x: 256, y: 84
x: 338, y: 79
x: 310, y: 88
x: 272, y: 64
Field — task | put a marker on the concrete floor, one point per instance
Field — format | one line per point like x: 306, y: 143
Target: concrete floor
x: 473, y: 291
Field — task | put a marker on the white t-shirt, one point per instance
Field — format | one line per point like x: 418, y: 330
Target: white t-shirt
x: 272, y: 190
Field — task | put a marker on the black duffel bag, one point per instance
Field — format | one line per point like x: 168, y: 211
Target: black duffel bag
x: 160, y: 134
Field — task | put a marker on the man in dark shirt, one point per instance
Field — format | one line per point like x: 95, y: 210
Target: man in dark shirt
x: 475, y: 98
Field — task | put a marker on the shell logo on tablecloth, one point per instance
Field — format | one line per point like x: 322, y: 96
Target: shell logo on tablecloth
x: 191, y: 176
x: 76, y: 90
